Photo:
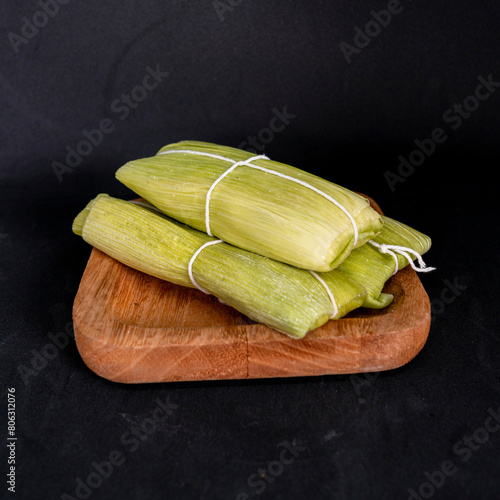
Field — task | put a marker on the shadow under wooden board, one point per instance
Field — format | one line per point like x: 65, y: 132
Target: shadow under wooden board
x: 134, y: 328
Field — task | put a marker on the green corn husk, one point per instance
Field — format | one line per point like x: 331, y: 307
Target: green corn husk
x: 286, y: 298
x: 252, y: 209
x: 368, y: 266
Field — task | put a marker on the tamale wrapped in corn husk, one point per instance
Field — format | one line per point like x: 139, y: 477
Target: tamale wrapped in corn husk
x: 286, y: 298
x: 280, y: 212
x: 369, y: 267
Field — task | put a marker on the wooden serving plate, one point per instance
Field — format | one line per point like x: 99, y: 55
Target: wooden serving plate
x: 133, y: 328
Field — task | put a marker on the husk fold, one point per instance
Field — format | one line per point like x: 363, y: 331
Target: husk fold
x: 370, y: 268
x: 251, y: 209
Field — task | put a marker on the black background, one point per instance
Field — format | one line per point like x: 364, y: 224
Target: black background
x: 364, y: 437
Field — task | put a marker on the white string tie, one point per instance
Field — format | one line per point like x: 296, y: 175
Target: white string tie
x: 329, y: 292
x: 404, y: 251
x: 191, y: 262
x: 263, y: 169
x: 228, y: 171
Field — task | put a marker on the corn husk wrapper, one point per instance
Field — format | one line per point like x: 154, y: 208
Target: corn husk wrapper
x: 252, y: 209
x: 288, y: 299
x: 369, y: 267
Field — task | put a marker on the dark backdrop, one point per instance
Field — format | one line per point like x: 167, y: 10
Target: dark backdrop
x: 407, y: 114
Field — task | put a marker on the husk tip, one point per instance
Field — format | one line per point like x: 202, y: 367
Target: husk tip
x: 79, y: 220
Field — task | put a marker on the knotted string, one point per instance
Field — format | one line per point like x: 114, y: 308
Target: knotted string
x: 404, y: 251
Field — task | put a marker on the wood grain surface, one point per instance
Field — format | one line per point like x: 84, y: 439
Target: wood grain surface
x: 133, y: 328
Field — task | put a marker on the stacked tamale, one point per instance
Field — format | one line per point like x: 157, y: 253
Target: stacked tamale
x: 284, y: 247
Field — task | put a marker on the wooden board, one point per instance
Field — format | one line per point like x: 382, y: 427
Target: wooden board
x: 133, y: 328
